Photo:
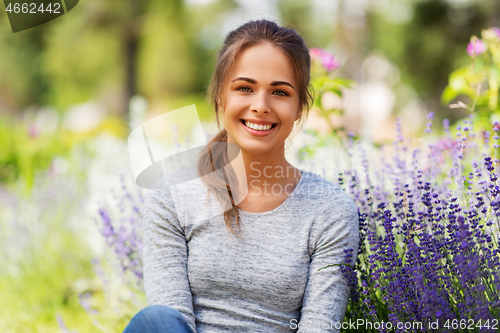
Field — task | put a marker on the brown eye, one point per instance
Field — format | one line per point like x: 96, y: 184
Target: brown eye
x: 244, y: 89
x: 281, y: 93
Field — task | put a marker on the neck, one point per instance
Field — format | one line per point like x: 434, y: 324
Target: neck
x: 257, y: 173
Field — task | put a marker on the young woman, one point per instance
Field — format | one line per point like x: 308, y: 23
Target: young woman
x: 253, y: 265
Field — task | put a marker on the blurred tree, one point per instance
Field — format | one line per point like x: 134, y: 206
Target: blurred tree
x: 22, y: 81
x: 297, y: 14
x: 110, y: 51
x: 430, y: 43
x: 207, y: 37
x: 112, y: 23
x: 81, y: 62
x: 314, y: 24
x: 494, y: 18
x: 167, y: 66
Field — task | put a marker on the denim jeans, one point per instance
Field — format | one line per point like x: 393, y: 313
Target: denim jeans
x: 158, y: 319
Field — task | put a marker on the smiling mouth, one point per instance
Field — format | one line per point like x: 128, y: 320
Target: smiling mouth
x: 257, y: 127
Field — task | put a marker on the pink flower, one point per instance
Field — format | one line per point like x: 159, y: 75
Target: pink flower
x: 497, y: 31
x: 326, y: 59
x: 33, y: 131
x: 476, y: 47
x: 315, y: 52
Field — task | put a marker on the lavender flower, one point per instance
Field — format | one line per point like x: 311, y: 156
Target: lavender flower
x: 123, y: 232
x: 85, y: 303
x: 430, y: 116
x: 62, y: 324
x: 431, y: 247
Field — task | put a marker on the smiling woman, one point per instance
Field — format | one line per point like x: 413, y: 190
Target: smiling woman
x: 253, y: 267
x: 260, y: 109
x: 261, y: 81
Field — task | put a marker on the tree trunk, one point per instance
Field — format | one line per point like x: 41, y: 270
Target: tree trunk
x: 130, y: 53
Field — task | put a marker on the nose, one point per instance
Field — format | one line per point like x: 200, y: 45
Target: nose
x: 260, y: 104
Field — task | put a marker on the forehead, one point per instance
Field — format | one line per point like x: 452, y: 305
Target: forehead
x: 265, y: 62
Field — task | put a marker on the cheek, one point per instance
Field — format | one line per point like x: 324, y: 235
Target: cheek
x: 227, y: 104
x: 230, y: 112
x: 235, y: 100
x: 291, y: 112
x: 235, y: 105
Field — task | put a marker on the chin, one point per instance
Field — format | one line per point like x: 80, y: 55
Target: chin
x: 257, y: 150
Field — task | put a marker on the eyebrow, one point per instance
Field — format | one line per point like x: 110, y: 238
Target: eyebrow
x: 252, y: 81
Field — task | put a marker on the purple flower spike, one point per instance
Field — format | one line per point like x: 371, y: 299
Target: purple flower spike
x: 62, y: 324
x: 430, y: 116
x: 327, y: 59
x: 496, y: 126
x: 476, y: 47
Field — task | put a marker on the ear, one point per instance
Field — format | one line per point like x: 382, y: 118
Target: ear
x: 298, y: 115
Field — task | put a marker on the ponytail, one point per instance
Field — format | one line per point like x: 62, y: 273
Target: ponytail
x: 214, y: 157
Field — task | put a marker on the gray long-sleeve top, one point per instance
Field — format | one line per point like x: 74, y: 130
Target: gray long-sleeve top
x: 267, y: 281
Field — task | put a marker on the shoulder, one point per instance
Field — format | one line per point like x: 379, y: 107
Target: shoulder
x: 323, y: 193
x: 176, y: 187
x: 336, y: 222
x: 181, y: 196
x: 327, y: 202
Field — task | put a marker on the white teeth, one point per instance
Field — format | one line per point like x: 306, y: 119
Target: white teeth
x: 258, y: 127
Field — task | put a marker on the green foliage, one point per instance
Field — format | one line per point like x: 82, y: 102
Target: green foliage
x: 27, y: 151
x: 102, y: 50
x: 23, y: 154
x: 45, y: 286
x: 21, y: 78
x: 80, y: 62
x: 479, y: 81
x: 426, y: 40
x: 164, y: 45
x: 323, y: 81
x: 45, y: 238
x: 45, y: 264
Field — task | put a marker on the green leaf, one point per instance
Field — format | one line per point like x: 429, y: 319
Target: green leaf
x: 448, y: 95
x: 343, y: 82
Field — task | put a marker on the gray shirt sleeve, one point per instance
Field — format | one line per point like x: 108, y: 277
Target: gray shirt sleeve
x: 165, y: 255
x: 327, y: 292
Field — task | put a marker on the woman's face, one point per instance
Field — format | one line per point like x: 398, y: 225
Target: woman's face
x: 260, y: 92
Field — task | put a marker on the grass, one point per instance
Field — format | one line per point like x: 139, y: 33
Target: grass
x: 46, y: 284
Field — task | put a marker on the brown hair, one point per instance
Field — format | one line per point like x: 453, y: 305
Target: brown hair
x: 214, y: 157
